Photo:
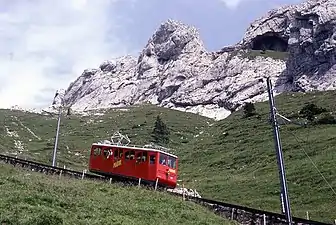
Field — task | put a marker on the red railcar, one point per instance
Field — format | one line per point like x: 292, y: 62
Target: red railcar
x: 149, y: 164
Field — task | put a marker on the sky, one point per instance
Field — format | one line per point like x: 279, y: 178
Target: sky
x: 46, y: 44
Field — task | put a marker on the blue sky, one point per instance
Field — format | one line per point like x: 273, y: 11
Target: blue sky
x: 46, y: 44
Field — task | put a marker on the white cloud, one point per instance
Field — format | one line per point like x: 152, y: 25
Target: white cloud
x: 45, y: 44
x: 232, y: 4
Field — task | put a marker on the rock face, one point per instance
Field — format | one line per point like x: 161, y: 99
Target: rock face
x: 308, y: 32
x: 294, y: 45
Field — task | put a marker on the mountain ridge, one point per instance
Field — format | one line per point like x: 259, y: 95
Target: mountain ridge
x: 174, y: 70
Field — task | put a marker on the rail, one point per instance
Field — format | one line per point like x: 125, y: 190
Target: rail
x: 241, y: 214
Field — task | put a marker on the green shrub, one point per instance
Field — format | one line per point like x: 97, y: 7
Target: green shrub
x: 326, y: 118
x: 249, y: 109
x: 310, y: 110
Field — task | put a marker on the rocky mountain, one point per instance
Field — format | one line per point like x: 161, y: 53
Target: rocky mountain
x: 294, y: 45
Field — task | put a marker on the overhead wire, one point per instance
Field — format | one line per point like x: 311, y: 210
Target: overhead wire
x: 311, y: 160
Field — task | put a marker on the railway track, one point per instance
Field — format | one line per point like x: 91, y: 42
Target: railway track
x: 241, y: 214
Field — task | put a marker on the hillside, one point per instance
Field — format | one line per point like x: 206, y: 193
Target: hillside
x: 235, y: 160
x: 232, y: 160
x: 42, y: 199
x: 34, y: 134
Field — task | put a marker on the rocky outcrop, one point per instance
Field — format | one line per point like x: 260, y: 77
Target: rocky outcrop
x: 308, y: 32
x: 294, y: 45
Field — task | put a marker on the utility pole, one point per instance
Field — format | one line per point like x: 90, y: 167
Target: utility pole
x: 285, y: 204
x: 61, y: 96
x: 56, y: 138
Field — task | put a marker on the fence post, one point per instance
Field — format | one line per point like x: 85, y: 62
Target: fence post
x: 156, y: 183
x: 232, y: 211
x: 183, y: 195
x: 335, y: 221
x: 111, y: 180
x: 264, y: 219
x: 139, y: 182
x: 307, y: 215
x: 83, y: 174
x: 60, y: 173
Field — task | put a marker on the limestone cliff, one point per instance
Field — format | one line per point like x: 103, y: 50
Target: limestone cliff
x: 294, y: 45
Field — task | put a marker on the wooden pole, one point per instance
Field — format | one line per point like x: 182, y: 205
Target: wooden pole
x: 156, y: 183
x: 83, y: 174
x: 232, y: 211
x: 183, y: 195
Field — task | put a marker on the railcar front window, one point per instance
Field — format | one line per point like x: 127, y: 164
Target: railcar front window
x: 96, y: 151
x: 172, y: 162
x: 106, y: 152
x: 163, y: 159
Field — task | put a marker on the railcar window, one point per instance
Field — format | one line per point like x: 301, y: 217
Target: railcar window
x: 127, y: 155
x: 106, y: 152
x: 172, y: 162
x: 152, y: 159
x: 116, y: 153
x: 120, y: 153
x: 132, y: 154
x: 163, y: 159
x: 138, y: 157
x: 97, y: 151
x: 144, y: 156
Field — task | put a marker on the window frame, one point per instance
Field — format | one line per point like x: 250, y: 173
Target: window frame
x: 94, y: 151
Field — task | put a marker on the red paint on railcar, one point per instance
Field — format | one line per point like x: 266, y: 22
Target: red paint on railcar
x: 134, y: 162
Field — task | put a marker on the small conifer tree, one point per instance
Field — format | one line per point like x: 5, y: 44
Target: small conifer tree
x: 160, y: 133
x: 249, y: 109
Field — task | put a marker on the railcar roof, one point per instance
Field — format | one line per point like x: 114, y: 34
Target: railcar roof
x: 135, y: 148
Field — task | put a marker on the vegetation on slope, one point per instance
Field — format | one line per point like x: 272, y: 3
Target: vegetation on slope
x: 235, y: 160
x: 36, y: 199
x: 232, y: 160
x: 77, y: 133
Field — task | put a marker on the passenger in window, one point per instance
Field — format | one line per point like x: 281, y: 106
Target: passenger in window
x: 152, y: 159
x: 169, y: 163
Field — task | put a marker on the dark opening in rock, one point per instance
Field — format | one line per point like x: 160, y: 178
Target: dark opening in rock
x: 270, y: 42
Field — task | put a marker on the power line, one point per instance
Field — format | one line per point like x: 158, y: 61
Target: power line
x: 297, y: 139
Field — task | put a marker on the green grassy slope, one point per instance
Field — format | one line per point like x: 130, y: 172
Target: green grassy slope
x: 78, y: 133
x: 240, y: 167
x: 36, y: 199
x: 231, y: 160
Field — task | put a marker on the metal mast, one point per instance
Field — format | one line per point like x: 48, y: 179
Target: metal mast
x: 58, y: 101
x: 285, y: 204
x: 56, y: 138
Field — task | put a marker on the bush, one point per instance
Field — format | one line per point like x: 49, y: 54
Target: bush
x: 310, y: 110
x: 326, y: 118
x: 249, y: 109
